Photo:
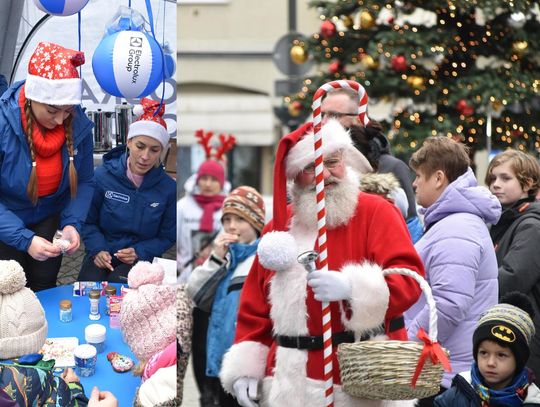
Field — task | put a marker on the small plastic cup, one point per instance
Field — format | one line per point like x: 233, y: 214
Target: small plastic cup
x: 85, y: 360
x: 95, y: 335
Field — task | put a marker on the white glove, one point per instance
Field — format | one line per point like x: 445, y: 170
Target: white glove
x: 329, y: 285
x: 245, y: 391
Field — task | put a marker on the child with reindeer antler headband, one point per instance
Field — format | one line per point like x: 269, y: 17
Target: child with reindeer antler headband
x: 198, y: 213
x: 198, y: 223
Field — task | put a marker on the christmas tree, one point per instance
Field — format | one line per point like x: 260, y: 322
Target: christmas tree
x: 464, y: 69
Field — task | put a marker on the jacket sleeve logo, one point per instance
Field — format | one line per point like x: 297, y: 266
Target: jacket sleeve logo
x: 503, y: 333
x: 117, y: 196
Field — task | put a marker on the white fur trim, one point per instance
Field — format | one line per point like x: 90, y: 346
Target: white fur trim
x: 244, y: 359
x: 150, y: 129
x: 57, y: 92
x: 334, y: 138
x: 277, y: 251
x: 369, y: 299
x: 138, y: 110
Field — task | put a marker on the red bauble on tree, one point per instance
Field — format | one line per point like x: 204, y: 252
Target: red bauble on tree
x: 328, y: 29
x: 335, y: 67
x: 399, y: 63
x: 468, y: 111
x: 461, y: 105
x: 464, y: 108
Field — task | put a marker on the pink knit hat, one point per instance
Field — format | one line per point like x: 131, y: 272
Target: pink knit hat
x: 148, y: 313
x: 212, y: 168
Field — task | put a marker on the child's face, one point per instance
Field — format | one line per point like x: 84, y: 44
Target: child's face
x: 236, y: 225
x: 496, y: 363
x: 505, y: 186
x: 428, y: 188
x: 208, y: 185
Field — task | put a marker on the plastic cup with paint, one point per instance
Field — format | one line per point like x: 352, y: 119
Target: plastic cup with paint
x: 95, y: 335
x: 85, y: 360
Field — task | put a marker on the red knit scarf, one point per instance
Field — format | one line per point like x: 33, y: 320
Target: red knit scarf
x: 209, y: 205
x: 47, y: 148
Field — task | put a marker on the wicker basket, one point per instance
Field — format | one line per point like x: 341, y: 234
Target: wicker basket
x: 383, y: 370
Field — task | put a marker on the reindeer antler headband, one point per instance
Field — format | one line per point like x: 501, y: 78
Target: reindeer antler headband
x: 226, y: 143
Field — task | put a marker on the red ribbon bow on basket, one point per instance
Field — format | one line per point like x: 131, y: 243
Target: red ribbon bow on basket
x: 434, y: 351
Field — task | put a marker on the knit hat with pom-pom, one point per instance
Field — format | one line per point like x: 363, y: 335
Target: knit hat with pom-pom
x: 150, y: 122
x: 23, y: 327
x: 148, y: 313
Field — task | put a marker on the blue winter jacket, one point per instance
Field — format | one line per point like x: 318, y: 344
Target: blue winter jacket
x: 122, y: 215
x: 461, y: 268
x: 16, y: 210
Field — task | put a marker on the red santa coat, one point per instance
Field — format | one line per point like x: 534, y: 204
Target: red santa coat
x: 281, y: 303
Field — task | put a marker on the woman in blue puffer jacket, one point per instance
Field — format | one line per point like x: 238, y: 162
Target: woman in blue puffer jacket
x: 46, y: 164
x: 133, y: 211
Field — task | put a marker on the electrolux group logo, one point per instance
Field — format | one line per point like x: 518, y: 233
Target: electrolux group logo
x: 135, y: 42
x: 134, y: 58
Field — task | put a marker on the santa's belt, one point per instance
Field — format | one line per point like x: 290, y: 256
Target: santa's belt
x: 316, y: 342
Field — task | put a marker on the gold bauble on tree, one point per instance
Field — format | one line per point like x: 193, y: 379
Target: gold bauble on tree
x: 348, y: 21
x: 367, y: 21
x: 298, y: 54
x: 416, y: 82
x: 519, y: 47
x: 368, y: 62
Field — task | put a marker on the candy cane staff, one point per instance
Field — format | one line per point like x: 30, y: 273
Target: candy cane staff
x: 277, y: 357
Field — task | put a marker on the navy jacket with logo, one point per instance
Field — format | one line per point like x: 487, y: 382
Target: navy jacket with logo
x: 122, y: 215
x: 16, y: 210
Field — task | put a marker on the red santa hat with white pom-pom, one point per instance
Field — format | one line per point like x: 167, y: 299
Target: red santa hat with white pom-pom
x: 277, y: 250
x: 150, y: 122
x: 52, y: 75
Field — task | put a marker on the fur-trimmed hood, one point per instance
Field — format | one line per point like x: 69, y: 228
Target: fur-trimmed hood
x: 380, y: 184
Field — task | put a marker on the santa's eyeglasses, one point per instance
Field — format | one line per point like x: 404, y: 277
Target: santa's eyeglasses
x: 331, y: 163
x: 336, y: 115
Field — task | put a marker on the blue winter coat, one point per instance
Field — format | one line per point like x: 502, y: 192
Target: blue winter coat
x: 461, y: 267
x: 122, y: 215
x: 16, y: 210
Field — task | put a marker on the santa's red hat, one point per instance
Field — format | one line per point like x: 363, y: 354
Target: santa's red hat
x: 52, y: 75
x: 150, y: 123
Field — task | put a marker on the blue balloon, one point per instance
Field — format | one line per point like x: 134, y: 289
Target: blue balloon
x: 61, y: 7
x: 170, y: 66
x: 128, y: 64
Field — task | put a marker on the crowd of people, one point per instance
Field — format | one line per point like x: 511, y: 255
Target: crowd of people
x: 474, y: 245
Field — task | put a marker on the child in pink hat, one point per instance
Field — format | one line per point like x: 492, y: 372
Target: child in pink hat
x: 148, y: 322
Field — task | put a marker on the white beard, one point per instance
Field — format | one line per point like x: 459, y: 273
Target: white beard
x: 341, y: 200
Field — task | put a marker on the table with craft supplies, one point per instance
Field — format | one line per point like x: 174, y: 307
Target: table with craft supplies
x: 122, y: 385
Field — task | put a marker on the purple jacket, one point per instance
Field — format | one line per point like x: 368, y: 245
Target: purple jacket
x: 461, y: 267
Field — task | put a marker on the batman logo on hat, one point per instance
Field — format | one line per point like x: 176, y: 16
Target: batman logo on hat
x: 503, y: 333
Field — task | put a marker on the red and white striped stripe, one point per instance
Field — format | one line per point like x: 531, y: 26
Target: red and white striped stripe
x: 322, y: 259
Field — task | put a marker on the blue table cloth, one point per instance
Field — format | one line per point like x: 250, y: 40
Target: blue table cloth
x: 122, y: 385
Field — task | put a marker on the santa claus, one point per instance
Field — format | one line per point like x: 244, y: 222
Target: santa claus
x: 277, y: 357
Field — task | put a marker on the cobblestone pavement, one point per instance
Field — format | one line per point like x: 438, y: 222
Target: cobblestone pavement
x: 71, y: 265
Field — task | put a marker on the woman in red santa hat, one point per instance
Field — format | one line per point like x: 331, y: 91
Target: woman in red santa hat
x: 46, y: 164
x: 277, y: 356
x: 133, y: 211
